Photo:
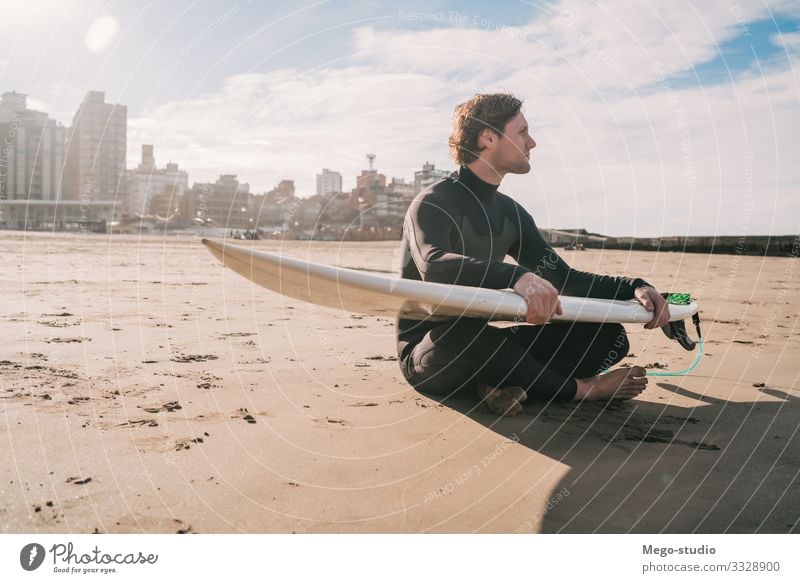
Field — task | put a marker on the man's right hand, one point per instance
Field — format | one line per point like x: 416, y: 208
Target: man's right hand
x: 541, y: 297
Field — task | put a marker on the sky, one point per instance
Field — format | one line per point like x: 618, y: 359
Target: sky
x: 651, y: 118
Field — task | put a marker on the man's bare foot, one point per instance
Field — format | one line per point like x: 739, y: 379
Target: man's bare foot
x: 503, y: 401
x: 623, y: 383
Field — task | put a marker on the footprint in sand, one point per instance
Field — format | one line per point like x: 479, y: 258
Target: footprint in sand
x: 168, y: 407
x: 184, y: 358
x: 56, y: 323
x: 48, y: 515
x: 139, y: 423
x: 245, y: 415
x: 657, y: 365
x: 207, y: 381
x: 140, y: 523
x: 78, y: 481
x: 185, y: 442
x: 645, y: 431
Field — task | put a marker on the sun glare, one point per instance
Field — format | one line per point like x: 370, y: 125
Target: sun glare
x: 101, y: 34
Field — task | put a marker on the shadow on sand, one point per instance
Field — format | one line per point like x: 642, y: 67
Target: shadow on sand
x: 714, y: 467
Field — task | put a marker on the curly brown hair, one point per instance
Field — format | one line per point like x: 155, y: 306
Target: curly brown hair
x: 484, y: 110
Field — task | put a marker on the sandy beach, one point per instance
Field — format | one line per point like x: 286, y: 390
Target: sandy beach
x: 145, y: 388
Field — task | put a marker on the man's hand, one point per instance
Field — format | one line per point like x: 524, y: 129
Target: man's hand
x: 653, y: 302
x: 541, y: 297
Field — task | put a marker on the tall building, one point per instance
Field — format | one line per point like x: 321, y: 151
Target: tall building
x: 153, y: 190
x: 329, y: 181
x: 427, y: 176
x: 31, y: 151
x: 96, y: 147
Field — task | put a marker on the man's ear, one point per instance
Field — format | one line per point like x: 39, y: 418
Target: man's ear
x: 487, y: 139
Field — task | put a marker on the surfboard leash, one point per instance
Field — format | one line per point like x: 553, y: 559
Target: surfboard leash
x: 679, y: 373
x: 677, y: 331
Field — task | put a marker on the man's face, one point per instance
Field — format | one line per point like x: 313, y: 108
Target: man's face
x: 511, y: 153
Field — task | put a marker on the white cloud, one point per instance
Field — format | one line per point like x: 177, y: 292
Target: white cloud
x: 291, y: 124
x: 789, y: 41
x: 620, y: 151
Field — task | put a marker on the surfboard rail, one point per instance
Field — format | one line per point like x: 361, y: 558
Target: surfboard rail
x: 368, y: 293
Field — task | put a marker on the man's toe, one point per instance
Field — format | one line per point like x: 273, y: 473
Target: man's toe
x: 519, y: 394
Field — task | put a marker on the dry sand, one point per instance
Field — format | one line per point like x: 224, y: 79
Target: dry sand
x: 147, y: 389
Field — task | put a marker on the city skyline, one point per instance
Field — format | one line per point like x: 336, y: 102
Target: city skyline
x: 149, y: 166
x: 690, y: 132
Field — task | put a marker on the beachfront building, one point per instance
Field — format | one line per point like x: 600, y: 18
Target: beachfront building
x: 370, y: 185
x: 328, y: 181
x: 427, y: 176
x: 56, y: 215
x: 221, y: 204
x: 274, y: 208
x: 391, y: 202
x: 31, y: 174
x: 31, y: 151
x: 284, y: 190
x: 404, y: 189
x: 155, y: 191
x: 95, y: 155
x: 338, y: 210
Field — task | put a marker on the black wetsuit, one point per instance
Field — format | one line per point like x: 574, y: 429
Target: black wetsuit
x: 459, y: 231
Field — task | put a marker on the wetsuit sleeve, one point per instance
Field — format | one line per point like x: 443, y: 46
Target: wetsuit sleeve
x: 431, y: 229
x: 532, y: 251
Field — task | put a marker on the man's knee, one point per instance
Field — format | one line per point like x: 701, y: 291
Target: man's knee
x: 438, y: 371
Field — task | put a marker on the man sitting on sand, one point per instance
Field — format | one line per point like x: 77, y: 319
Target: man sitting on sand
x: 459, y: 231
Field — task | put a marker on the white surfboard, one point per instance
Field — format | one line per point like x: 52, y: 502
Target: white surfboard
x: 368, y: 293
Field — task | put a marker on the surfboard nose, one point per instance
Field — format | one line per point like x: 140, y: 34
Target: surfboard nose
x: 213, y: 244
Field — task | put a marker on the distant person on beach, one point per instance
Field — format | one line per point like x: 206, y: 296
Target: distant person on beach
x: 459, y: 231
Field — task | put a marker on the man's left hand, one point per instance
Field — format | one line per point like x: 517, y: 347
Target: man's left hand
x: 653, y: 302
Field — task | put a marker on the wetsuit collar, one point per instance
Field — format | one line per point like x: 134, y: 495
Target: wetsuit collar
x: 480, y: 188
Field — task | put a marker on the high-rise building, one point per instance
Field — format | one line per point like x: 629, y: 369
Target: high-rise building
x: 96, y: 147
x: 329, y: 181
x: 153, y: 190
x: 427, y: 176
x: 31, y: 151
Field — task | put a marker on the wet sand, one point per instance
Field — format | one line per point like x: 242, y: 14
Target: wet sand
x: 147, y: 389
